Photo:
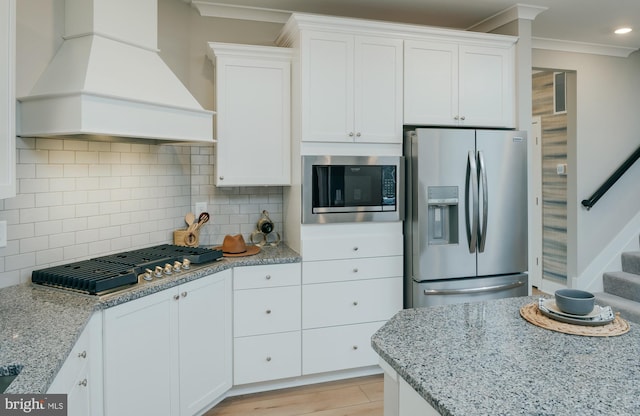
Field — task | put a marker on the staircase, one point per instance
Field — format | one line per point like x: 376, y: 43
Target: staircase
x: 622, y: 289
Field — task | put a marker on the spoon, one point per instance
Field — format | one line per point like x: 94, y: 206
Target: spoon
x: 203, y: 218
x: 189, y: 219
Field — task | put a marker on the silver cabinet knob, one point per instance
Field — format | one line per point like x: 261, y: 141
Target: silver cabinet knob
x: 355, y: 347
x: 462, y: 118
x: 355, y: 270
x: 268, y: 277
x: 82, y: 354
x: 355, y: 248
x: 350, y: 134
x: 184, y: 294
x: 268, y: 359
x: 358, y: 134
x: 355, y: 303
x: 221, y: 178
x: 83, y: 383
x: 268, y: 311
x: 176, y: 297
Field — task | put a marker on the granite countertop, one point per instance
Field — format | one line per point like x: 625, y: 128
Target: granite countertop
x: 485, y: 359
x: 39, y: 325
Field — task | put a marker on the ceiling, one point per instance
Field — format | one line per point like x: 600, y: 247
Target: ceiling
x: 586, y: 21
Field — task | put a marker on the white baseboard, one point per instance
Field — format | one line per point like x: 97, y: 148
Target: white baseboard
x: 303, y: 380
x: 609, y: 259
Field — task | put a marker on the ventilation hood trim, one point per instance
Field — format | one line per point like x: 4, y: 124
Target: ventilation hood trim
x: 99, y: 115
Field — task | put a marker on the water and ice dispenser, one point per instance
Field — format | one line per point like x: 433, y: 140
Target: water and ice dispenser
x: 442, y: 204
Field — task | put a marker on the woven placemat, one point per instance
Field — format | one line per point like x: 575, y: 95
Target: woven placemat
x: 531, y: 313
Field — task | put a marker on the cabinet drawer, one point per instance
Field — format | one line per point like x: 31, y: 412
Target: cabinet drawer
x: 252, y: 277
x: 351, y: 269
x: 265, y: 311
x: 352, y: 246
x: 266, y: 357
x: 329, y: 304
x: 338, y: 348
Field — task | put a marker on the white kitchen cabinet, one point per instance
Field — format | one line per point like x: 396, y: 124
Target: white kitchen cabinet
x: 352, y: 284
x: 7, y: 99
x: 400, y: 399
x: 169, y: 353
x: 267, y: 323
x: 253, y: 105
x: 452, y: 83
x: 80, y: 377
x: 351, y: 88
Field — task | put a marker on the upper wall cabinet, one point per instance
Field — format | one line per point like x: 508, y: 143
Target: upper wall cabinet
x: 351, y: 88
x: 7, y: 99
x: 457, y: 84
x: 253, y: 105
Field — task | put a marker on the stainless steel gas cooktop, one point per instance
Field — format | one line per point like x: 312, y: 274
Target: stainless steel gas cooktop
x: 117, y: 272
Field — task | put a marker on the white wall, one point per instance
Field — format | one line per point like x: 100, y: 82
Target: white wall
x: 608, y: 131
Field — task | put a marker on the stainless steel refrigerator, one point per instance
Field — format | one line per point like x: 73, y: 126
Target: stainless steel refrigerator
x: 466, y: 223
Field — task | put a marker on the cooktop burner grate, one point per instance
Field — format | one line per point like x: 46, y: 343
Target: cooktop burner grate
x: 108, y: 273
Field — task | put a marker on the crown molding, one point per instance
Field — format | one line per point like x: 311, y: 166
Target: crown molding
x: 582, y: 47
x: 227, y: 11
x: 515, y: 12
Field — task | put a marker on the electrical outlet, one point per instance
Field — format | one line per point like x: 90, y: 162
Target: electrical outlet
x: 3, y: 233
x: 200, y: 208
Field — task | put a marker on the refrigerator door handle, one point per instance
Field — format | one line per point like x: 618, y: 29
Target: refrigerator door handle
x: 482, y: 238
x: 471, y: 223
x: 484, y: 289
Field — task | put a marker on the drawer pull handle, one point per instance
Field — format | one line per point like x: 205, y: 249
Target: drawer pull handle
x: 268, y: 311
x: 268, y: 359
x: 176, y: 297
x: 82, y: 354
x: 268, y: 277
x: 184, y: 294
x: 355, y: 270
x: 355, y: 303
x: 83, y: 383
x: 355, y: 347
x: 355, y: 248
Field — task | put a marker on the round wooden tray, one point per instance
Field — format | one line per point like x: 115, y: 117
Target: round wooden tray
x: 531, y: 313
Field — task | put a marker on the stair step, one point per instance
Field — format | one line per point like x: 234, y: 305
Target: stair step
x: 628, y: 309
x: 631, y: 262
x: 623, y: 284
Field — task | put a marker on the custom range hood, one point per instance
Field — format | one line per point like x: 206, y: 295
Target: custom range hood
x: 108, y: 81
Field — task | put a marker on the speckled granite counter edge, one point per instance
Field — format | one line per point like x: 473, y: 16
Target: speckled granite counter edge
x: 39, y: 360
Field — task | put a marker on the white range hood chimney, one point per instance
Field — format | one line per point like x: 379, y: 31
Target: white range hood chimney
x: 107, y: 80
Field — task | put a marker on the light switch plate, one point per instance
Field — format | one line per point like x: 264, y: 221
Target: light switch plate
x: 3, y: 233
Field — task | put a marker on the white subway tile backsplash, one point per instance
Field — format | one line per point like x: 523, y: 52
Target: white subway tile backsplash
x: 28, y: 245
x: 80, y: 199
x: 62, y: 156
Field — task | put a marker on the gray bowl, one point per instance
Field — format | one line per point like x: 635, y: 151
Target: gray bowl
x: 575, y: 302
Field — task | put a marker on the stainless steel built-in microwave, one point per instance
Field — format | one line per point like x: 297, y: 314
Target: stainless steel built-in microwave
x: 352, y: 189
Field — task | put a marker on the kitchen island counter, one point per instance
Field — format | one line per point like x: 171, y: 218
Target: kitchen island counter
x: 485, y: 359
x: 39, y: 326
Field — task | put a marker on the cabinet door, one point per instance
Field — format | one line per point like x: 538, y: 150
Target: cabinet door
x: 266, y: 357
x: 140, y: 356
x: 328, y: 304
x: 338, y: 348
x: 378, y: 90
x: 430, y: 83
x: 263, y: 311
x: 7, y: 99
x: 327, y: 87
x: 486, y: 86
x: 410, y: 403
x: 205, y: 341
x: 253, y: 121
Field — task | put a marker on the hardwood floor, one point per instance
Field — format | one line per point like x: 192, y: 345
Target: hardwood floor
x: 353, y: 397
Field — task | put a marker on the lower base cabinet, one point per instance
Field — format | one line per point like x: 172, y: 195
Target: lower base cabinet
x: 338, y: 348
x: 400, y: 399
x: 80, y: 377
x: 169, y: 353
